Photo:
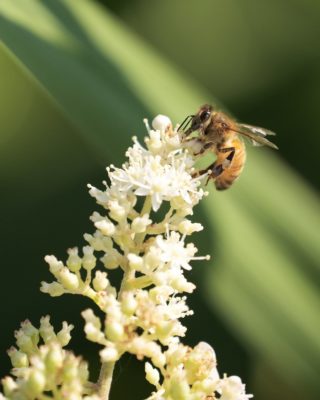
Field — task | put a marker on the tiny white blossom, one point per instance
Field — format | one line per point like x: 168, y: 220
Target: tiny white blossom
x: 232, y: 388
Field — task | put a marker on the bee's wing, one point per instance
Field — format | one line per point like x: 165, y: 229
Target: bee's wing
x: 256, y: 135
x: 257, y: 130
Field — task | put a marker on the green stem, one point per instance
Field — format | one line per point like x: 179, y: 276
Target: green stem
x: 105, y: 379
x: 146, y: 209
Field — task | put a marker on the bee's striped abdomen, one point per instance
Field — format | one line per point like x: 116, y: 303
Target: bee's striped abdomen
x: 233, y: 171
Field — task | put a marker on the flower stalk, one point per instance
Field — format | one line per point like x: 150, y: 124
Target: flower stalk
x: 105, y: 379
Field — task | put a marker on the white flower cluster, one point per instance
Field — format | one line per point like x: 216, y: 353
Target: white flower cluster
x: 192, y: 374
x: 45, y: 368
x: 143, y: 316
x: 153, y: 255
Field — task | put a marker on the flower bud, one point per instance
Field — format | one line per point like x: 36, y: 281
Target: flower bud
x: 74, y: 261
x: 111, y: 260
x: 100, y: 281
x: 46, y: 329
x: 92, y: 327
x: 161, y: 123
x: 152, y: 374
x: 180, y: 284
x: 54, y: 289
x: 35, y: 383
x: 117, y: 212
x: 64, y: 336
x: 154, y: 142
x: 54, y: 265
x: 158, y: 359
x: 139, y: 224
x: 135, y: 262
x: 101, y: 197
x: 9, y: 385
x: 114, y: 331
x: 68, y: 279
x: 179, y: 389
x: 164, y: 329
x: 28, y: 329
x: 54, y: 358
x: 153, y: 257
x: 105, y: 227
x: 88, y: 260
x: 186, y: 227
x: 128, y: 303
x: 109, y: 354
x: 18, y: 358
x: 25, y: 344
x: 93, y: 334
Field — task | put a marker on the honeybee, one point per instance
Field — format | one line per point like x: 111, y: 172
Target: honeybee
x: 221, y: 134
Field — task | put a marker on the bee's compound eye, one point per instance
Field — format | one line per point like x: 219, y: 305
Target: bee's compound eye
x: 205, y: 115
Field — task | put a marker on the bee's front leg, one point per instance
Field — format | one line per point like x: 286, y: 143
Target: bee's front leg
x: 197, y: 145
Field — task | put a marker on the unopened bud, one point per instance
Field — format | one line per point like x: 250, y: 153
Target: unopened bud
x: 54, y: 289
x: 161, y: 123
x: 139, y: 224
x: 74, y: 261
x: 114, y: 331
x: 100, y: 281
x: 135, y: 262
x: 186, y: 227
x: 152, y: 374
x: 109, y: 354
x: 106, y: 227
x: 18, y: 358
x: 35, y: 383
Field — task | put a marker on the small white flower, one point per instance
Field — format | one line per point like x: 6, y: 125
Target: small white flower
x: 174, y: 252
x: 232, y: 388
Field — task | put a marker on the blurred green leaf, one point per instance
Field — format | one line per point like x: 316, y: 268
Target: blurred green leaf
x: 234, y: 47
x: 104, y: 79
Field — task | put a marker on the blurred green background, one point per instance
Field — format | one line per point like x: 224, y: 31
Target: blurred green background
x: 78, y: 77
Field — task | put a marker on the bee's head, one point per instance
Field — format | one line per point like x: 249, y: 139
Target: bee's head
x: 199, y: 121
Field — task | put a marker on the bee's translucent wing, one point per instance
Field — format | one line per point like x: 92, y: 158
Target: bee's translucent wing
x: 256, y: 135
x: 257, y: 130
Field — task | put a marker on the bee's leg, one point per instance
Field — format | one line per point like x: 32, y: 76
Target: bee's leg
x: 205, y: 147
x: 229, y: 158
x: 217, y: 169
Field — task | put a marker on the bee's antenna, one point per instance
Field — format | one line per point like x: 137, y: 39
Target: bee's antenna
x: 185, y: 122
